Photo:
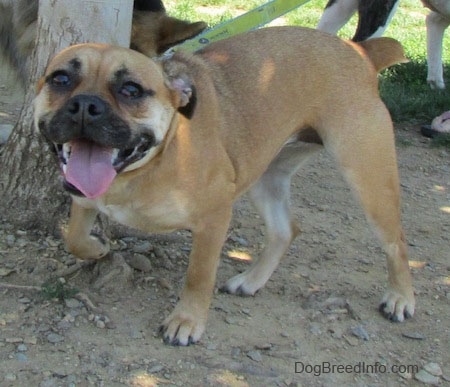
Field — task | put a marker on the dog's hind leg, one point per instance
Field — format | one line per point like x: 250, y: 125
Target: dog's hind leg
x: 271, y: 198
x: 368, y: 161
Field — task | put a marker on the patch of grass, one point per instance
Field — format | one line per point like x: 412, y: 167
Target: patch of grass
x: 441, y: 141
x: 55, y: 289
x: 407, y: 95
x: 404, y: 142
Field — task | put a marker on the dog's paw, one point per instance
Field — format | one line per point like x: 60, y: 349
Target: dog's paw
x: 240, y: 285
x: 396, y: 307
x: 182, y: 328
x: 92, y: 248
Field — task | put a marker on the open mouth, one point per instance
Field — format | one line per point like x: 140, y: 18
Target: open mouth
x: 89, y: 168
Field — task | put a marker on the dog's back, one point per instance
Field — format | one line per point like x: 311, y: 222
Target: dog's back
x: 284, y: 61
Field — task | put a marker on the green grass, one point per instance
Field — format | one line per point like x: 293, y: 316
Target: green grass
x: 402, y: 87
x: 55, y: 289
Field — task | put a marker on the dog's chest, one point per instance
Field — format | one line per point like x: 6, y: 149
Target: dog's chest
x: 166, y: 216
x: 119, y: 213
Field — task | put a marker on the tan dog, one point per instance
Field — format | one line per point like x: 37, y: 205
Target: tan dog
x: 171, y: 145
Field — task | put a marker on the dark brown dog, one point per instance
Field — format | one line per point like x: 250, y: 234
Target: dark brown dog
x: 153, y: 31
x: 172, y: 144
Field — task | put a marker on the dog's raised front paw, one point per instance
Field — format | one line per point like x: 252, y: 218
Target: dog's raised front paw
x: 182, y: 328
x: 396, y: 307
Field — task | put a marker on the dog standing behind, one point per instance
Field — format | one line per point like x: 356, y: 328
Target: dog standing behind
x: 153, y: 31
x: 171, y: 144
x: 374, y: 17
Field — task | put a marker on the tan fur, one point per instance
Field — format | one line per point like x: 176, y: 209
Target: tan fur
x: 256, y: 96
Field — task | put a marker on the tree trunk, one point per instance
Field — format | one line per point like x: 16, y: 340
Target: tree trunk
x: 30, y: 191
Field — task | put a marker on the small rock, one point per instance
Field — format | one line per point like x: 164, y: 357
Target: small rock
x: 10, y: 377
x: 360, y: 332
x: 165, y: 284
x: 264, y: 347
x: 351, y: 340
x: 5, y: 272
x: 235, y: 352
x: 405, y: 375
x: 425, y: 377
x: 54, y: 338
x: 100, y: 324
x: 73, y: 303
x: 10, y: 240
x: 230, y: 320
x: 413, y: 335
x: 433, y: 369
x: 24, y: 300
x: 14, y: 340
x: 22, y: 348
x: 110, y: 325
x: 211, y: 346
x: 53, y: 382
x: 315, y: 329
x: 136, y: 334
x: 30, y: 340
x: 139, y: 262
x: 254, y: 355
x: 143, y: 247
x: 155, y: 369
x: 21, y: 357
x: 337, y: 333
x: 240, y: 240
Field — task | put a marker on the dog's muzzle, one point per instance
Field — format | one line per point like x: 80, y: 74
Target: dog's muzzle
x: 93, y: 144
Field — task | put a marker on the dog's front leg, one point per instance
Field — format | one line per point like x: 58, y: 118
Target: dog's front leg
x: 187, y: 322
x: 78, y: 236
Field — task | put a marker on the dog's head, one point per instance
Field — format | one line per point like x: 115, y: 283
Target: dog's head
x: 106, y: 110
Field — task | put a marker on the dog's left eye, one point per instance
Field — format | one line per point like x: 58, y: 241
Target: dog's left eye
x: 131, y: 90
x: 60, y: 78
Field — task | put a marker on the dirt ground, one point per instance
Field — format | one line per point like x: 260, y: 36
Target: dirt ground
x: 314, y: 324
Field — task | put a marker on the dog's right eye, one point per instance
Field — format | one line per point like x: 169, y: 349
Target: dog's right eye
x: 60, y: 79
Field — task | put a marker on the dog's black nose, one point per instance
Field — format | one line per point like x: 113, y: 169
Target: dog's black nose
x: 85, y: 109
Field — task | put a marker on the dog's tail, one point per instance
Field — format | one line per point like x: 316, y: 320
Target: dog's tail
x: 383, y: 52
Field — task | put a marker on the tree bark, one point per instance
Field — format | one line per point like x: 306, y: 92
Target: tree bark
x: 30, y: 191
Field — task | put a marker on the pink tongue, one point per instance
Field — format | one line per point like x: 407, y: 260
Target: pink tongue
x: 90, y: 168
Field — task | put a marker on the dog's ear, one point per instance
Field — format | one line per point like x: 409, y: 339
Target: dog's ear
x: 178, y: 80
